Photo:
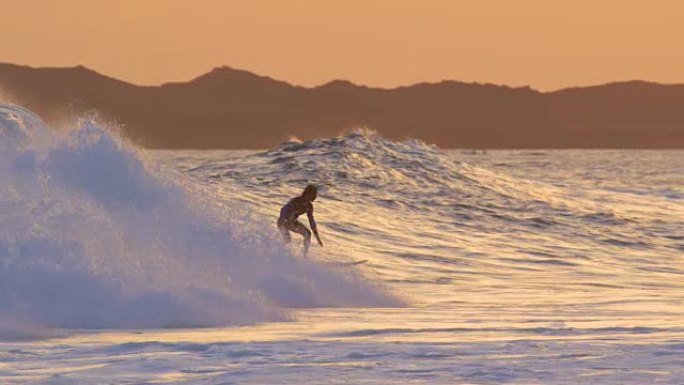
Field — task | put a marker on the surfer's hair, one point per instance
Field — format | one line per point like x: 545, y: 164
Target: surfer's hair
x: 310, y: 191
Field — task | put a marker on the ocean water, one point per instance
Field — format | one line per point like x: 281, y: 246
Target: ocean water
x: 125, y: 266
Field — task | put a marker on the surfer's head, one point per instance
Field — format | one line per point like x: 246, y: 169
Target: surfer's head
x: 310, y: 192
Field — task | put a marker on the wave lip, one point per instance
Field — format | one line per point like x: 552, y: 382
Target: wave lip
x: 22, y: 128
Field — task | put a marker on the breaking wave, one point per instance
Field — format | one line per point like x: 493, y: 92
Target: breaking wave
x: 95, y: 236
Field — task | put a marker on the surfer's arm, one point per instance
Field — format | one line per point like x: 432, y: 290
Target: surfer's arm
x: 312, y: 223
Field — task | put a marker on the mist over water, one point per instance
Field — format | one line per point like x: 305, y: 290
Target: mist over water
x: 94, y: 236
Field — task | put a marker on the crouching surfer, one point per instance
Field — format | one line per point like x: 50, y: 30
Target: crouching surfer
x: 292, y: 210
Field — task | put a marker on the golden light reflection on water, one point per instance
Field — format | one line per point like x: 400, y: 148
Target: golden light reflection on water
x: 656, y: 321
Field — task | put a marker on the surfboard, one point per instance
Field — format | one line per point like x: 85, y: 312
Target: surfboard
x: 350, y: 263
x: 353, y: 263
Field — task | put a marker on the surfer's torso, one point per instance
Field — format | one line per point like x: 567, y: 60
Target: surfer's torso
x: 294, y: 208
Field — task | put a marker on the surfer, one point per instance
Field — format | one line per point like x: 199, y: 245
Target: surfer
x: 292, y: 210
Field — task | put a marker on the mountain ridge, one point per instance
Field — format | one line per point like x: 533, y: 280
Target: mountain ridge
x: 232, y: 108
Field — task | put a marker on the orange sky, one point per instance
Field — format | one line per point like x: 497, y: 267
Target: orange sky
x: 543, y: 43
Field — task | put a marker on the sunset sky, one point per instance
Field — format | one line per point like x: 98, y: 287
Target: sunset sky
x: 545, y: 44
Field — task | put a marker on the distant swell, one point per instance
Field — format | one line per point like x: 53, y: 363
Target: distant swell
x: 93, y: 236
x: 508, y: 331
x: 420, y: 213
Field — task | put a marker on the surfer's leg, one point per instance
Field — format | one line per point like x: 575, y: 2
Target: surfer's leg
x: 299, y: 228
x: 284, y: 232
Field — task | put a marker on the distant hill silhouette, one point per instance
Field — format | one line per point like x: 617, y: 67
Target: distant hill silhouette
x: 228, y: 108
